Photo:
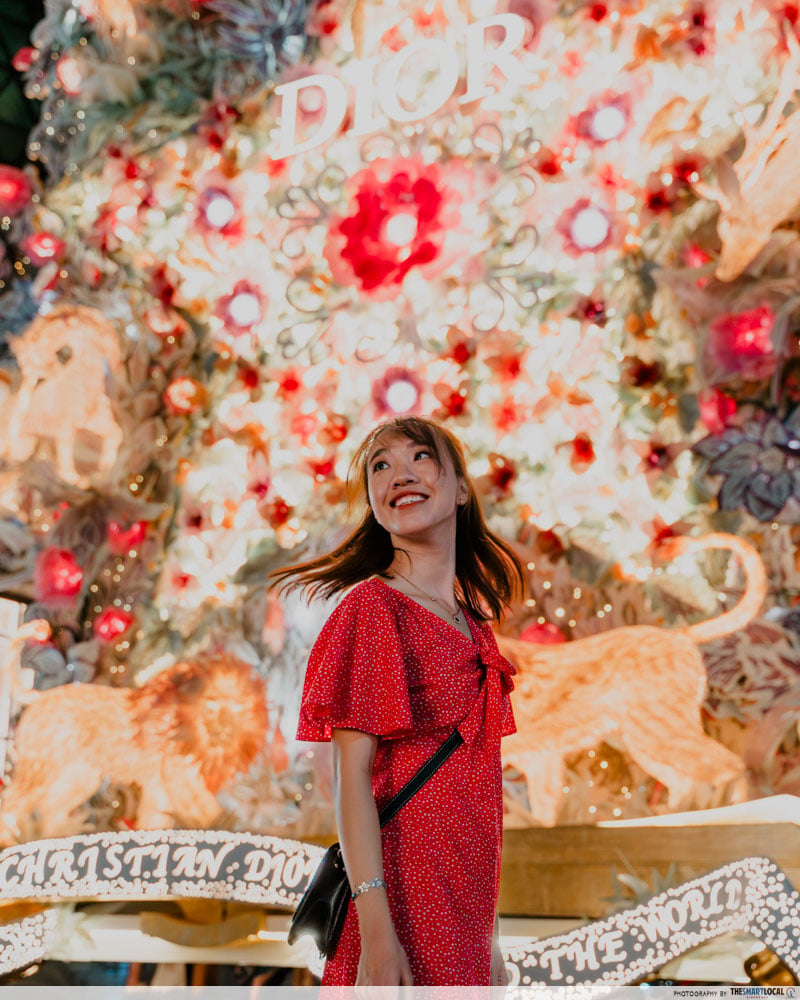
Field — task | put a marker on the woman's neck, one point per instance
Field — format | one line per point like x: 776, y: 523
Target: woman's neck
x: 433, y: 570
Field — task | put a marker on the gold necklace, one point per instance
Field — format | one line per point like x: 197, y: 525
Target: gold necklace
x: 453, y: 614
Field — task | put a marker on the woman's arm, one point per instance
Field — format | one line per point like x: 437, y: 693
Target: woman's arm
x: 383, y: 961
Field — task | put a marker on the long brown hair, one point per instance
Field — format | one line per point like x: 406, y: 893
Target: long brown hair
x: 489, y: 575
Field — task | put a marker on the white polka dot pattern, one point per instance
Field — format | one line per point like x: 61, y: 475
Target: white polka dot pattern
x: 386, y: 665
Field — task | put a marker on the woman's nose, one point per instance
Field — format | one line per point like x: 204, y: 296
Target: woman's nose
x: 402, y: 476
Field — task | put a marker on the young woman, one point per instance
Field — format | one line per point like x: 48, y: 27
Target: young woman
x: 405, y: 658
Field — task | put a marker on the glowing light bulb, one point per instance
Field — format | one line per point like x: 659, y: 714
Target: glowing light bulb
x: 401, y: 229
x: 401, y: 396
x: 219, y: 209
x: 589, y: 228
x: 245, y: 309
x: 608, y: 123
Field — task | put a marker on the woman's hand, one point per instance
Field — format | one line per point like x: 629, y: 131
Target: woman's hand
x: 383, y: 961
x: 499, y: 973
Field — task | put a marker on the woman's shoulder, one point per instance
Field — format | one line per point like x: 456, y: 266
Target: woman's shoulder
x: 364, y: 613
x: 368, y: 596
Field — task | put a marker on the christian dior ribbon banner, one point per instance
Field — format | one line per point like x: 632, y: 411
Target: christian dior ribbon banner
x: 752, y: 895
x: 152, y: 864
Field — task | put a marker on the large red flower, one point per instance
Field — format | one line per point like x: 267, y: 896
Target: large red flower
x: 401, y: 215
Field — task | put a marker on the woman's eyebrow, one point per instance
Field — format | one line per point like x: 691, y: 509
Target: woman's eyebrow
x: 375, y: 454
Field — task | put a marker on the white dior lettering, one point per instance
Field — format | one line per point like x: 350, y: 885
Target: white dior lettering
x: 368, y: 78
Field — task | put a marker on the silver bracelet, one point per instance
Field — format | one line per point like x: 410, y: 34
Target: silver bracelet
x: 374, y: 883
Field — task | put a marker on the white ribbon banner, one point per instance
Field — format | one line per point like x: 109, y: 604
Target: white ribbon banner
x: 752, y: 895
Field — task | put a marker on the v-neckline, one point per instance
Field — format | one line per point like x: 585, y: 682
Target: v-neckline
x: 470, y: 639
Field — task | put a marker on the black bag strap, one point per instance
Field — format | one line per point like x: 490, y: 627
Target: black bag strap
x: 428, y: 769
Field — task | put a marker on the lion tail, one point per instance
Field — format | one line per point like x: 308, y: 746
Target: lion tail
x: 748, y: 605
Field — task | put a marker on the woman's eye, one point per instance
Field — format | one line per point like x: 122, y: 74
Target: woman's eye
x: 378, y: 466
x: 424, y: 452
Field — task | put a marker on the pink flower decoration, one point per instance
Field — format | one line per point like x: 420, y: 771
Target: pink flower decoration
x: 15, y: 190
x: 57, y: 577
x: 399, y: 390
x: 586, y: 228
x: 605, y: 120
x: 546, y: 634
x: 218, y: 211
x: 43, y: 247
x: 122, y: 540
x: 403, y: 212
x: 111, y: 623
x: 740, y: 345
x: 243, y: 307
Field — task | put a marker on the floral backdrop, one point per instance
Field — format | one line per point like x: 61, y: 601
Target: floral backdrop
x: 589, y: 274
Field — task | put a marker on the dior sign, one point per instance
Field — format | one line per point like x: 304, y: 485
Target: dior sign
x: 210, y: 864
x: 378, y: 89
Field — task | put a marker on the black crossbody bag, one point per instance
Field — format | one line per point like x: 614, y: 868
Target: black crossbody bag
x: 323, y: 906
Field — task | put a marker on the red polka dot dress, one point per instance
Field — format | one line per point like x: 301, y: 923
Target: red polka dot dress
x: 386, y: 665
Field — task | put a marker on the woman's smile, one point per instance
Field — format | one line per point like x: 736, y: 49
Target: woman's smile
x: 407, y: 476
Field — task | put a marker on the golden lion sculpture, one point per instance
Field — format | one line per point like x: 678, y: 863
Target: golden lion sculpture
x: 65, y: 357
x: 180, y: 738
x: 639, y: 688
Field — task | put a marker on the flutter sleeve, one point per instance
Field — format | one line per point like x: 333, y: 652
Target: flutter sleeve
x: 356, y: 678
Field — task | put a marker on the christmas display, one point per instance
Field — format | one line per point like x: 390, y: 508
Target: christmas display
x: 250, y: 230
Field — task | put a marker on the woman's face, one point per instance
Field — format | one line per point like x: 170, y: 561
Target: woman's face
x: 410, y: 493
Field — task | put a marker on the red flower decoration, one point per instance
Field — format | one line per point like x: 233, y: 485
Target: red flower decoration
x: 740, y: 345
x: 122, y: 540
x: 335, y: 430
x: 277, y: 512
x: 15, y: 190
x: 502, y: 475
x: 57, y: 577
x: 289, y: 382
x: 454, y: 401
x: 111, y: 623
x: 583, y: 454
x: 402, y: 213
